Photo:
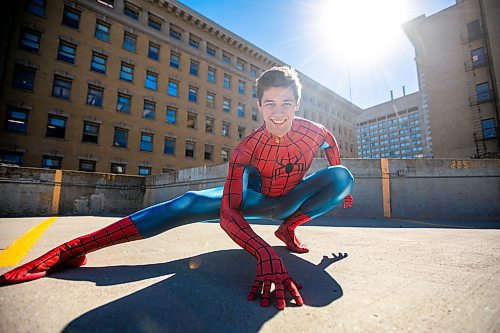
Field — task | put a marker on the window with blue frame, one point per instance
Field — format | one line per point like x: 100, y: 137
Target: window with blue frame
x: 154, y: 22
x: 95, y: 96
x: 169, y: 146
x: 23, y: 77
x: 151, y: 80
x: 123, y: 103
x: 154, y: 51
x: 118, y: 168
x: 102, y: 31
x: 194, y: 42
x: 66, y: 52
x: 489, y: 128
x: 478, y: 57
x: 36, y: 7
x: 131, y: 11
x: 483, y: 92
x: 127, y: 72
x: 62, y: 87
x: 211, y: 50
x: 211, y: 75
x: 51, y: 162
x: 98, y: 62
x: 241, y: 110
x: 71, y: 17
x: 175, y: 32
x: 171, y: 115
x: 227, y: 81
x: 17, y: 120
x: 56, y: 127
x: 193, y: 68
x: 193, y: 94
x: 241, y: 87
x: 173, y: 88
x: 120, y: 137
x: 146, y: 142
x: 11, y: 157
x: 129, y: 42
x: 226, y: 105
x: 149, y: 110
x: 30, y: 39
x: 144, y: 171
x: 175, y: 60
x: 90, y: 132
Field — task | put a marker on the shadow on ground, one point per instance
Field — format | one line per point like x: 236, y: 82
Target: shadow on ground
x: 206, y: 293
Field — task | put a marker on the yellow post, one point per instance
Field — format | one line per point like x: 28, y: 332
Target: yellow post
x: 386, y: 187
x: 56, y: 193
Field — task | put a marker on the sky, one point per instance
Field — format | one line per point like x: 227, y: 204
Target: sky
x: 356, y: 48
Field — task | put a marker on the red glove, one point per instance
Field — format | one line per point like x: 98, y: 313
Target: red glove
x: 348, y: 201
x: 270, y: 269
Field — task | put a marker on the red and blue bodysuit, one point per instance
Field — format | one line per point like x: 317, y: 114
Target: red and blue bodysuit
x: 266, y: 179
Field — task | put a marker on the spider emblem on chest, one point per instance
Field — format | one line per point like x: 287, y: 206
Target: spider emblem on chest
x: 293, y: 162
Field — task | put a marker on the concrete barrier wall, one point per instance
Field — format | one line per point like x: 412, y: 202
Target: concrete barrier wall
x: 421, y: 188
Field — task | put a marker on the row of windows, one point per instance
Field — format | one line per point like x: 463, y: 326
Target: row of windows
x: 386, y: 123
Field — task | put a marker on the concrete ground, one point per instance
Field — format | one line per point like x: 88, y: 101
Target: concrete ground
x: 362, y: 275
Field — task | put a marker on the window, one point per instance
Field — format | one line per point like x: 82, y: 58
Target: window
x: 173, y: 88
x: 98, y: 62
x: 211, y: 75
x: 169, y: 147
x: 254, y: 91
x: 226, y: 57
x: 131, y: 11
x: 154, y: 51
x: 474, y: 30
x: 144, y: 171
x: 129, y: 42
x: 61, y: 87
x: 36, y: 7
x: 118, y: 168
x: 253, y: 71
x: 241, y: 110
x: 175, y: 32
x: 154, y: 22
x: 211, y: 50
x: 478, y: 57
x: 226, y: 105
x: 171, y: 115
x: 194, y: 41
x: 225, y: 154
x: 255, y: 114
x: 146, y: 142
x: 66, y: 52
x: 175, y: 60
x: 225, y: 128
x: 151, y: 80
x: 149, y: 110
x: 210, y: 100
x: 71, y: 17
x: 120, y: 137
x: 123, y: 103
x: 127, y: 72
x: 56, y: 127
x: 193, y: 94
x: 23, y: 77
x: 209, y: 152
x: 90, y: 132
x: 240, y: 64
x: 86, y: 165
x: 191, y: 120
x: 190, y: 147
x: 483, y: 92
x: 95, y: 95
x: 11, y: 157
x: 227, y: 81
x: 102, y: 31
x: 241, y: 132
x: 489, y: 128
x: 17, y: 120
x: 30, y: 39
x: 241, y: 87
x: 193, y: 68
x: 209, y: 125
x: 51, y: 162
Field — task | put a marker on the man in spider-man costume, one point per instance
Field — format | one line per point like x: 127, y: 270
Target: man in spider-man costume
x: 265, y: 180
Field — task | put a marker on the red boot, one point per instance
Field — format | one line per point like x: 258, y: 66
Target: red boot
x: 72, y: 253
x: 286, y: 232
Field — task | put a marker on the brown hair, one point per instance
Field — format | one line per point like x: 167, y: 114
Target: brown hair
x: 281, y: 76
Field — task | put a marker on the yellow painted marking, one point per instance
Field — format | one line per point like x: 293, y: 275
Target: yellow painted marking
x: 16, y: 251
x: 438, y: 224
x: 56, y: 194
x: 386, y: 187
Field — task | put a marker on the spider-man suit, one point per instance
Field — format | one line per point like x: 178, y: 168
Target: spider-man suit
x: 265, y: 180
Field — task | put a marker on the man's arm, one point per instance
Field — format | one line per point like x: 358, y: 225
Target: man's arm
x: 270, y: 268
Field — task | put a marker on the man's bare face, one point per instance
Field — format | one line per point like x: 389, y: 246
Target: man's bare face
x: 278, y: 108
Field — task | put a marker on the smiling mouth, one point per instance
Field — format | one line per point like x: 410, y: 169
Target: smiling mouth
x: 278, y: 121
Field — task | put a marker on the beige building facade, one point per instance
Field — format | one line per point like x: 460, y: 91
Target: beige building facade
x: 458, y: 64
x: 136, y: 87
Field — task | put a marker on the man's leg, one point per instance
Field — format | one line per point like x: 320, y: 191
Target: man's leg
x: 313, y: 197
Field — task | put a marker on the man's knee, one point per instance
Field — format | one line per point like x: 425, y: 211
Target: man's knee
x: 338, y: 174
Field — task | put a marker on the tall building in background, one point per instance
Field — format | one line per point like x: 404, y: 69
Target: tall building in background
x: 136, y: 87
x: 458, y: 64
x: 394, y: 129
